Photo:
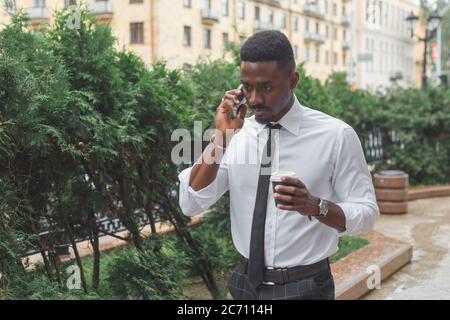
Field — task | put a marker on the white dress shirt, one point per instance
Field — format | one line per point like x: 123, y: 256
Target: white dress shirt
x: 327, y: 157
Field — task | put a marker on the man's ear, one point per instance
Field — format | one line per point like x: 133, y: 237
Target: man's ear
x: 293, y: 80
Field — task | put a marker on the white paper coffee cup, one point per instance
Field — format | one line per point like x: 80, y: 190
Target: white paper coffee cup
x: 276, y: 176
x: 276, y: 180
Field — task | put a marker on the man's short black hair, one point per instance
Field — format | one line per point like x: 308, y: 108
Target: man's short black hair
x: 269, y: 45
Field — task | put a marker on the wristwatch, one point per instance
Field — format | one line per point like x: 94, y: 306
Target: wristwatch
x: 323, y: 209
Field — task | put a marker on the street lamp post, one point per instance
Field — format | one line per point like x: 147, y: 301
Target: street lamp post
x: 433, y: 22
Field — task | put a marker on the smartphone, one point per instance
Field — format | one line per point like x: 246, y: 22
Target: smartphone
x: 242, y: 100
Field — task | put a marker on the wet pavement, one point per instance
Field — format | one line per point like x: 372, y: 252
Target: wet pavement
x: 427, y: 228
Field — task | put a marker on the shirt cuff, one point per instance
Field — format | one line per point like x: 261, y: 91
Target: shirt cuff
x: 194, y: 202
x: 359, y: 218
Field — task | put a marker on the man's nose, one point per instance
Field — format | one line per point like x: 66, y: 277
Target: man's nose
x: 254, y: 98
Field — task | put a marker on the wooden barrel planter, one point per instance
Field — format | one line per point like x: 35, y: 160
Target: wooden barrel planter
x: 391, y: 189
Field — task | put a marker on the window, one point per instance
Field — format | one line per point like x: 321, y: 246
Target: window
x: 207, y: 38
x: 283, y: 20
x: 187, y: 3
x: 335, y: 58
x: 381, y: 13
x: 68, y: 3
x: 367, y: 10
x: 334, y: 9
x: 225, y: 6
x: 327, y: 31
x: 271, y: 17
x: 295, y: 23
x: 317, y: 55
x: 371, y: 11
x: 335, y: 33
x: 187, y: 68
x: 257, y: 13
x: 367, y: 50
x: 327, y: 61
x: 136, y: 32
x: 187, y: 36
x: 306, y: 25
x: 296, y: 51
x: 372, y: 48
x: 39, y: 3
x: 225, y: 39
x: 241, y: 9
x: 306, y: 57
x: 317, y: 28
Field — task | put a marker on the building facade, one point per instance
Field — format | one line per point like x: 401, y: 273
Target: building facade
x: 327, y: 35
x: 385, y: 51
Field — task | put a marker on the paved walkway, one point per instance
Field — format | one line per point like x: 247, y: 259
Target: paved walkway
x: 427, y: 228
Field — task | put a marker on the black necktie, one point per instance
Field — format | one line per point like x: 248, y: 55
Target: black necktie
x: 256, y: 258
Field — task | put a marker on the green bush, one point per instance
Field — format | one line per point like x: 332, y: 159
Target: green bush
x: 147, y: 274
x: 421, y: 120
x: 36, y: 285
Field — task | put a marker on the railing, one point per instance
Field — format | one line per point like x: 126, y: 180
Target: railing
x: 313, y: 9
x: 210, y: 15
x: 101, y: 7
x: 314, y: 37
x: 270, y: 2
x: 105, y: 225
x: 261, y: 25
x: 38, y: 13
x: 346, y: 21
x: 378, y: 143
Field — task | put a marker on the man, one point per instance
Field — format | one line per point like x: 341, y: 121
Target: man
x: 284, y: 248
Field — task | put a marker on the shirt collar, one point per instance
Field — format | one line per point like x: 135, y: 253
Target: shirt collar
x: 290, y: 121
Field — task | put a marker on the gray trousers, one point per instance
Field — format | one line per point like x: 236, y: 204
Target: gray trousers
x: 317, y: 287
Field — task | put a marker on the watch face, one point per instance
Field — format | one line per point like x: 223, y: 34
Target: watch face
x: 323, y: 207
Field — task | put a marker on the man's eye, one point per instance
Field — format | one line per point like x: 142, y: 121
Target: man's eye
x: 268, y: 88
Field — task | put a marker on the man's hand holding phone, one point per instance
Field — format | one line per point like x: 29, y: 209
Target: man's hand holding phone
x: 230, y: 115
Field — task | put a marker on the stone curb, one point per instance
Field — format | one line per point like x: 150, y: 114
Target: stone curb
x: 383, y: 254
x: 428, y: 192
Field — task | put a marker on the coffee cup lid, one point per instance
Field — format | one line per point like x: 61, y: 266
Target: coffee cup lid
x: 276, y: 176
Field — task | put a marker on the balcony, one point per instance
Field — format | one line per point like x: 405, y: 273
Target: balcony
x: 102, y: 9
x: 396, y: 75
x: 259, y: 25
x: 346, y: 45
x: 346, y: 21
x: 275, y: 3
x: 209, y: 16
x: 314, y: 37
x: 38, y: 15
x: 313, y: 10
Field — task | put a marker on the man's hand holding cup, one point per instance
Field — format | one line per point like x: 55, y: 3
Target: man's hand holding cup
x: 291, y: 194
